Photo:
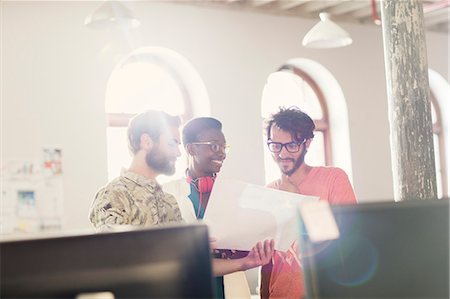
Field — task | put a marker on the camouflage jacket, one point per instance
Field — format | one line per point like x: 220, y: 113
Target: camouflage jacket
x: 132, y: 199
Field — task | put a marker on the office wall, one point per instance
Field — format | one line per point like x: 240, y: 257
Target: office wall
x: 55, y: 70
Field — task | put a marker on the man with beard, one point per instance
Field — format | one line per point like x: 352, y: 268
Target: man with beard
x: 206, y: 147
x: 135, y: 197
x: 289, y: 135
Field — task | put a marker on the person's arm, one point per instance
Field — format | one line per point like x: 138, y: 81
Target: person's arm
x: 260, y: 255
x: 108, y: 210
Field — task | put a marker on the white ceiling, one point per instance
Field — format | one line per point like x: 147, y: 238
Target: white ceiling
x: 436, y: 12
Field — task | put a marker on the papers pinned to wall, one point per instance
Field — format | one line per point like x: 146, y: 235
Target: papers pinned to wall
x: 32, y: 194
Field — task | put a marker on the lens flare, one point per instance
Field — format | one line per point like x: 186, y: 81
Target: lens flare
x: 362, y: 255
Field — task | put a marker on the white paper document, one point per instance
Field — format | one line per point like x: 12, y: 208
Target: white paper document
x: 241, y: 214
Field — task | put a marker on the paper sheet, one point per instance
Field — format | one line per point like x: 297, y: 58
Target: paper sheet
x: 241, y: 214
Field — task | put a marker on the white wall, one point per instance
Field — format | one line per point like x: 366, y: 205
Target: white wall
x: 55, y: 70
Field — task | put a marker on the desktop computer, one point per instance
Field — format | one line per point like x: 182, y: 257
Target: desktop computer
x: 169, y: 262
x: 385, y: 250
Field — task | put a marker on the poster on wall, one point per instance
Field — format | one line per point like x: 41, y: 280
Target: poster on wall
x: 32, y: 194
x: 52, y: 161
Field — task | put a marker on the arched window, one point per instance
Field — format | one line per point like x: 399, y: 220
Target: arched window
x: 290, y: 86
x: 439, y: 147
x: 150, y: 78
x: 440, y: 115
x: 300, y: 82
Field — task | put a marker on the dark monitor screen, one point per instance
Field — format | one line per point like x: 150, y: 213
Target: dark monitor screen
x: 385, y: 250
x: 170, y: 262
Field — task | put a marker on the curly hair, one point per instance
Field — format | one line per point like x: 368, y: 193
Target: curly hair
x: 294, y: 121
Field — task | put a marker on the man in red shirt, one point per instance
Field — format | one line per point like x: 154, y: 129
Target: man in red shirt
x: 289, y: 135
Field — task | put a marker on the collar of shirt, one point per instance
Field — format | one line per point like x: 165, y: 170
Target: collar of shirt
x: 141, y: 180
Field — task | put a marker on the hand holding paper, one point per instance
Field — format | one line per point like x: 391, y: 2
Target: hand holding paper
x: 260, y: 255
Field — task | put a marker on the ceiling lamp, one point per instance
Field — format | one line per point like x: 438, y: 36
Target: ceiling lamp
x: 326, y: 34
x: 111, y: 13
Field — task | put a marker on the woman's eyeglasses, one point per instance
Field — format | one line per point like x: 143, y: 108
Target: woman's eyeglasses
x: 215, y: 147
x: 292, y: 147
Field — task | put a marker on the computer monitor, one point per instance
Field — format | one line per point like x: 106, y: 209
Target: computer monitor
x: 385, y: 250
x: 170, y: 262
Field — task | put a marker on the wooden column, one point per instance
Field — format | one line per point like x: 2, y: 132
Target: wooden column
x: 406, y: 65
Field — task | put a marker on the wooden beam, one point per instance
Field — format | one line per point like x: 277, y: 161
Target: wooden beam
x: 318, y: 6
x: 405, y: 57
x: 289, y: 4
x: 436, y: 6
x: 258, y: 3
x: 362, y: 13
x: 437, y: 16
x: 348, y: 7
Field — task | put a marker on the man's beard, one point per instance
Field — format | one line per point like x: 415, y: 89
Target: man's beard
x: 159, y: 162
x: 297, y: 163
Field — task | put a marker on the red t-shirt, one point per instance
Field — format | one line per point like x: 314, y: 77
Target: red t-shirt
x: 286, y: 274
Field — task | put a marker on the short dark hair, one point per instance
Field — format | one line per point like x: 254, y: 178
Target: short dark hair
x: 294, y: 121
x: 196, y: 126
x: 152, y: 123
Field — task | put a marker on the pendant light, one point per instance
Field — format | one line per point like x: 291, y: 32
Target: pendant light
x: 111, y: 13
x: 326, y: 34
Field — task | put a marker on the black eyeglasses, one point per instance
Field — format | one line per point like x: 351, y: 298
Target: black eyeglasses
x: 292, y: 147
x: 215, y: 147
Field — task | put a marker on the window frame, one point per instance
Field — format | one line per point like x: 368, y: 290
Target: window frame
x: 193, y: 92
x: 122, y: 119
x: 323, y: 124
x: 438, y: 131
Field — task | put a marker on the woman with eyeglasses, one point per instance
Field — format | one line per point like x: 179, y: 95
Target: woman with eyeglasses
x: 206, y: 147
